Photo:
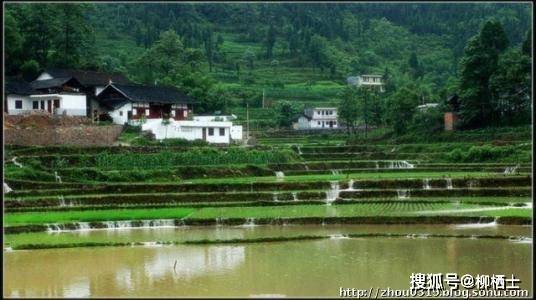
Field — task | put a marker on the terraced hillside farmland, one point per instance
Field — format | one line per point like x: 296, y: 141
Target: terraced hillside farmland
x: 299, y: 192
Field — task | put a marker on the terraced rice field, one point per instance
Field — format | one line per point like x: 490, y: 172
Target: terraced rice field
x: 64, y: 188
x: 289, y: 206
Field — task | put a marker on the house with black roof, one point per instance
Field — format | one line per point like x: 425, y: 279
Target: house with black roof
x: 164, y: 111
x: 17, y: 96
x: 126, y: 103
x: 59, y: 96
x: 92, y: 83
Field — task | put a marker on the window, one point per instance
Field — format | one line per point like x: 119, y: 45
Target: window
x: 35, y: 104
x: 120, y: 113
x: 318, y: 122
x: 18, y: 104
x: 222, y: 131
x: 42, y: 104
x: 211, y: 131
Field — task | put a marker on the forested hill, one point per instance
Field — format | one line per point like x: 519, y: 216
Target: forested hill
x: 293, y: 51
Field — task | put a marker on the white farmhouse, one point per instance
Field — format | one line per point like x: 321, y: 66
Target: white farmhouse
x: 166, y: 112
x: 216, y: 132
x: 93, y: 82
x: 318, y: 118
x: 17, y: 96
x: 60, y: 96
x: 369, y: 81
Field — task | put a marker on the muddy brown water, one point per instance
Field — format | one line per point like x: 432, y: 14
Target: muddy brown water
x: 293, y: 268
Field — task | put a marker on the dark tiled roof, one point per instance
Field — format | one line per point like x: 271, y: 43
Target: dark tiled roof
x: 89, y: 78
x: 115, y: 103
x: 50, y: 83
x: 160, y: 94
x: 18, y: 86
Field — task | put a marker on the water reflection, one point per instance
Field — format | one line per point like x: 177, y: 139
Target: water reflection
x: 298, y: 268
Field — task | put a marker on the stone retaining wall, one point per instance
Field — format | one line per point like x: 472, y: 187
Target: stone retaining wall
x: 63, y: 135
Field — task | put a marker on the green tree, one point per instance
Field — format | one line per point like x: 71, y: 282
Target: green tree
x: 40, y: 27
x: 13, y: 40
x: 527, y: 44
x: 30, y: 69
x: 249, y: 58
x: 209, y: 47
x: 511, y: 88
x: 415, y: 67
x: 348, y: 110
x: 401, y: 108
x: 364, y: 101
x: 73, y: 31
x: 477, y: 66
x: 287, y: 112
x: 427, y: 121
x: 270, y: 42
x: 317, y: 52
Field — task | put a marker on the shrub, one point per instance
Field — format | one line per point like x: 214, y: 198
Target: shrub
x: 428, y: 121
x: 483, y: 153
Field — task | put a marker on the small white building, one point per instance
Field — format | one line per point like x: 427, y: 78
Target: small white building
x: 370, y: 81
x: 318, y: 118
x: 55, y: 96
x: 215, y: 132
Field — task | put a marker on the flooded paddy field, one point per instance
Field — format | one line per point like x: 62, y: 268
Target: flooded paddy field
x: 289, y: 217
x: 289, y: 268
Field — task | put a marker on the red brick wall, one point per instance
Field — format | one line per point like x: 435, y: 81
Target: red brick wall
x: 450, y: 121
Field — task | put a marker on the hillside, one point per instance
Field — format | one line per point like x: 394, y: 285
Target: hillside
x: 297, y: 52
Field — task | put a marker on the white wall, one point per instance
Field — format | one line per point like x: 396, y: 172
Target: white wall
x: 236, y: 132
x: 190, y: 130
x: 26, y: 104
x: 314, y: 124
x: 120, y: 115
x: 318, y: 113
x: 303, y: 123
x: 75, y: 105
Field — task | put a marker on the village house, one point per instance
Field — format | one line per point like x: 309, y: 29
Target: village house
x: 93, y: 82
x: 59, y: 91
x: 370, y: 81
x: 166, y: 112
x: 17, y: 96
x: 59, y: 96
x: 318, y: 118
x: 134, y: 103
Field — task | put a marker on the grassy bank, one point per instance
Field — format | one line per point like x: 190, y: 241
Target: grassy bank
x: 17, y: 219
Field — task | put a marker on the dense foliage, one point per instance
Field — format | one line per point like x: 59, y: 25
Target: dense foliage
x: 227, y: 55
x: 201, y: 156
